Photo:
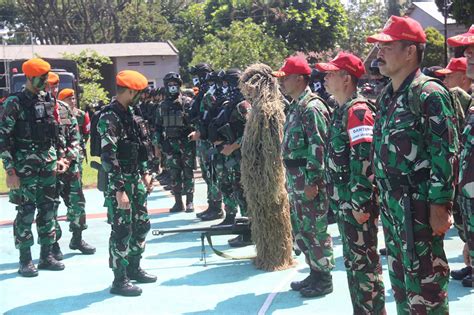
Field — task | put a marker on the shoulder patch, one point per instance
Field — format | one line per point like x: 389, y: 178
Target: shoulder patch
x: 360, y: 124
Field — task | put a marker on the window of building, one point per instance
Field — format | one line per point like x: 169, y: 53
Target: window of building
x: 133, y: 63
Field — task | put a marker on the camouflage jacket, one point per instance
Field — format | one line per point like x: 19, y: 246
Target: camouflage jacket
x: 172, y: 114
x: 69, y: 145
x: 305, y: 133
x: 466, y: 164
x: 415, y: 135
x: 84, y: 124
x: 348, y: 151
x: 12, y: 110
x: 112, y: 130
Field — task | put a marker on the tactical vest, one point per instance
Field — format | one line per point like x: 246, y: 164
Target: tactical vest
x: 39, y: 125
x: 173, y: 114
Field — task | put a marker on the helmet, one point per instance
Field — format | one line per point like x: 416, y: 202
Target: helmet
x: 147, y: 90
x: 172, y: 76
x: 317, y: 75
x: 200, y: 69
x: 232, y: 76
x: 431, y: 71
x: 212, y: 76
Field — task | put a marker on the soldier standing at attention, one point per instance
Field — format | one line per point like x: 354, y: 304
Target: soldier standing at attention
x: 415, y: 144
x: 466, y: 164
x: 172, y: 129
x: 28, y: 137
x: 304, y: 138
x: 124, y: 157
x: 348, y: 165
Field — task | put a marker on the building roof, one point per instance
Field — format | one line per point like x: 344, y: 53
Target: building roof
x: 432, y: 10
x: 110, y: 50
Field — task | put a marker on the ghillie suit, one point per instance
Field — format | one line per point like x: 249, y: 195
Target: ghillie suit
x: 263, y: 174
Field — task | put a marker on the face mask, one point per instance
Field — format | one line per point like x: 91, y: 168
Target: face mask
x: 225, y: 89
x: 212, y: 89
x: 39, y: 82
x: 195, y: 81
x: 173, y: 89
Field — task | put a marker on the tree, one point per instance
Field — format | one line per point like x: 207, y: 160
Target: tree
x: 434, y: 52
x: 89, y: 63
x: 241, y: 45
x: 364, y: 18
x: 460, y: 10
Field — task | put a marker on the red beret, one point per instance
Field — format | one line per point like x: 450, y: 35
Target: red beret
x: 65, y: 93
x: 53, y: 78
x: 35, y: 67
x: 132, y: 80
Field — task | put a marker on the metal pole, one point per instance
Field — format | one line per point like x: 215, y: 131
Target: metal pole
x: 445, y: 32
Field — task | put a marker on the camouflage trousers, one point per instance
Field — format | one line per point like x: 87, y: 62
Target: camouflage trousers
x: 359, y: 250
x: 69, y: 188
x: 420, y: 282
x: 309, y: 222
x: 129, y: 226
x: 180, y: 161
x: 37, y: 192
x: 466, y: 209
x: 228, y: 173
x: 207, y: 164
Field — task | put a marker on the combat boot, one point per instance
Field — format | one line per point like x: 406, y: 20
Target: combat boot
x: 47, y: 261
x: 228, y: 220
x: 321, y: 285
x: 205, y: 212
x: 461, y: 273
x: 135, y: 272
x: 467, y: 281
x: 123, y: 286
x: 78, y: 243
x: 298, y: 285
x: 178, y: 204
x: 215, y: 214
x: 241, y: 240
x: 27, y: 268
x: 189, y: 203
x: 57, y: 253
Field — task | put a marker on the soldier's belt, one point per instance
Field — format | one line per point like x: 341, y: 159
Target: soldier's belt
x: 295, y: 163
x: 410, y: 180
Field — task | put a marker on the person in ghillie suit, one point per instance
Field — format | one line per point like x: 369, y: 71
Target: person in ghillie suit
x: 263, y: 174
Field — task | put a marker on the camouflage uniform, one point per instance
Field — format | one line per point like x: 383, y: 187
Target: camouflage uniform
x: 69, y: 182
x: 415, y: 142
x: 466, y: 182
x: 33, y: 156
x: 305, y: 132
x: 348, y: 169
x: 172, y: 129
x: 129, y: 226
x: 84, y: 125
x: 228, y: 168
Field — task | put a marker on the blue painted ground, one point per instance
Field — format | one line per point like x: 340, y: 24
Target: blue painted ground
x: 184, y: 285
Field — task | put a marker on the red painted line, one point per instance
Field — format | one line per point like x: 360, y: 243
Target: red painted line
x: 103, y: 215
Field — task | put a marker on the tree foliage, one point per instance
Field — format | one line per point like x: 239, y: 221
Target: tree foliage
x: 89, y: 63
x: 434, y: 52
x: 240, y: 45
x: 460, y: 10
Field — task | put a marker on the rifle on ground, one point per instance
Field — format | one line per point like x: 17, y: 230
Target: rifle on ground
x: 240, y: 227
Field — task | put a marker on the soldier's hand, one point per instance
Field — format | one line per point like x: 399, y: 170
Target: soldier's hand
x: 360, y: 217
x: 465, y: 253
x: 311, y: 191
x: 147, y: 180
x: 122, y: 200
x: 228, y: 149
x: 194, y: 136
x: 62, y: 165
x: 13, y: 181
x: 440, y: 219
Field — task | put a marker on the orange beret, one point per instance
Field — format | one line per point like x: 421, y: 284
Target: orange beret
x: 132, y: 80
x: 35, y: 67
x: 53, y: 78
x: 65, y: 93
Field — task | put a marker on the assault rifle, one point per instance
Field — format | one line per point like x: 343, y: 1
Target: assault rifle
x: 240, y: 227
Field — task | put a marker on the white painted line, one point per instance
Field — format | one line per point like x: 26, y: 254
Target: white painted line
x: 268, y: 302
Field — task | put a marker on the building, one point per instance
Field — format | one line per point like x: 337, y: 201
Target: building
x: 153, y: 59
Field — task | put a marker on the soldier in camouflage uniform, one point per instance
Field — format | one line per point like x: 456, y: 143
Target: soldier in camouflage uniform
x: 124, y: 156
x: 69, y: 185
x: 466, y: 169
x: 172, y: 129
x: 28, y: 136
x: 305, y: 133
x: 348, y: 165
x: 203, y: 110
x: 415, y: 143
x: 228, y: 128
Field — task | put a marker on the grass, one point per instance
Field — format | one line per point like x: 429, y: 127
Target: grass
x: 89, y: 175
